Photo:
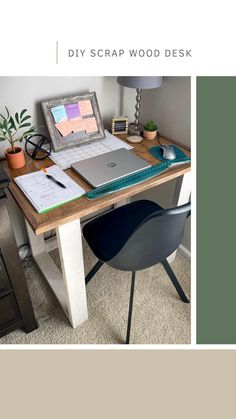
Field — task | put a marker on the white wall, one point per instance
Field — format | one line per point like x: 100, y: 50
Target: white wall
x: 169, y: 106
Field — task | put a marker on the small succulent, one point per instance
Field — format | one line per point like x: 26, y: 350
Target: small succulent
x: 150, y: 126
x: 19, y: 124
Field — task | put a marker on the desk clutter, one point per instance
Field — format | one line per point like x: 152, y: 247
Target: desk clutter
x: 44, y: 190
x: 77, y: 134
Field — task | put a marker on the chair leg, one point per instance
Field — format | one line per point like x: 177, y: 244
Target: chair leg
x: 130, y: 307
x: 93, y: 271
x: 175, y: 281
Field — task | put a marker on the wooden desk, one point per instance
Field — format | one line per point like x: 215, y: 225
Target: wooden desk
x: 69, y: 287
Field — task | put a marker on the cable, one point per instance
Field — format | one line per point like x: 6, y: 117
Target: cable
x: 158, y: 138
x: 26, y: 257
x: 52, y: 234
x: 24, y: 252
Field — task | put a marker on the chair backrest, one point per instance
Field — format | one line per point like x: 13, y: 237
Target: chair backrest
x: 154, y: 239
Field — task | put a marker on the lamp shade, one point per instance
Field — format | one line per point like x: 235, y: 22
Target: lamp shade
x: 140, y: 82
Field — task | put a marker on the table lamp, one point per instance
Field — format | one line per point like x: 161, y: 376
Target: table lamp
x: 139, y: 83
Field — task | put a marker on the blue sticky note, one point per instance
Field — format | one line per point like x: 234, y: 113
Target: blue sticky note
x: 59, y: 113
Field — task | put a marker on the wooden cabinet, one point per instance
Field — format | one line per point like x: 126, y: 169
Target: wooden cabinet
x: 9, y: 313
x: 16, y: 310
x: 4, y: 279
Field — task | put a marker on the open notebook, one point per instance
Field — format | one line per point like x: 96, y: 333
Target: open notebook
x: 44, y: 194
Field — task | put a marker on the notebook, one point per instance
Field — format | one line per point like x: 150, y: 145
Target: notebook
x: 44, y: 194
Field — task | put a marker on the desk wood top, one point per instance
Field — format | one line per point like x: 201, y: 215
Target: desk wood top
x: 81, y: 207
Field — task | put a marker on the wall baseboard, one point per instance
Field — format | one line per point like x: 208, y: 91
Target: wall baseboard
x: 185, y: 252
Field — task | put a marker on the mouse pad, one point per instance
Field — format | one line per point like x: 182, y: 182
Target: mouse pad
x: 180, y: 155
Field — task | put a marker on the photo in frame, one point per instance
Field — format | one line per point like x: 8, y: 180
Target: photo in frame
x: 73, y: 120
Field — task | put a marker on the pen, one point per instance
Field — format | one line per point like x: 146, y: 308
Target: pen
x: 53, y: 178
x: 55, y: 181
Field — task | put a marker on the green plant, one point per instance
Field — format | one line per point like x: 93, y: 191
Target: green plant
x: 10, y: 126
x: 150, y: 126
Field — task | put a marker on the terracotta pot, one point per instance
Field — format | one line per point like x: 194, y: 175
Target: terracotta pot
x: 15, y: 160
x: 149, y: 135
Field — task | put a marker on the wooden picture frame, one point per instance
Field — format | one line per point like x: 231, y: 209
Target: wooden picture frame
x: 73, y: 120
x: 119, y: 125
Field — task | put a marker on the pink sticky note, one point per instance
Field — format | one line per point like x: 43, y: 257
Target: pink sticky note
x: 90, y: 125
x: 77, y: 124
x: 64, y: 127
x: 85, y: 107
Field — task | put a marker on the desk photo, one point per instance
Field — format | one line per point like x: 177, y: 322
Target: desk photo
x: 62, y: 227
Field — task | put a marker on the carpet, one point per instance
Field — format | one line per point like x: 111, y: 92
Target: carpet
x: 159, y: 316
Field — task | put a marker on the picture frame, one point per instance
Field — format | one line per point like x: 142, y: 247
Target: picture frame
x: 73, y: 120
x: 119, y: 125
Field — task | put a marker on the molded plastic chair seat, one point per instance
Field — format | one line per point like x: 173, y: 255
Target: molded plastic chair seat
x: 137, y: 236
x: 107, y: 233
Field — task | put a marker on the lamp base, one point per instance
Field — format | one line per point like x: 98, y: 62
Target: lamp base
x: 135, y: 129
x: 134, y: 139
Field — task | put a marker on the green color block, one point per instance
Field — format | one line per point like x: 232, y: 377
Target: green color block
x: 216, y: 210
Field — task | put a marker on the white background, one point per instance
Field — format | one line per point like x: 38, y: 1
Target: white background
x: 29, y: 31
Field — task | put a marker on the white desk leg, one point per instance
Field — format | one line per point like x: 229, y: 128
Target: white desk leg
x: 181, y: 196
x: 71, y: 254
x: 68, y: 287
x: 123, y: 202
x: 37, y: 243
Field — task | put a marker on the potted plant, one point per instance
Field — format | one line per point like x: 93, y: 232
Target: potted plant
x: 15, y: 129
x: 150, y: 130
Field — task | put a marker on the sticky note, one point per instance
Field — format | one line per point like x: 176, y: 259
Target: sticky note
x: 64, y: 127
x: 59, y: 113
x: 90, y: 125
x: 85, y: 107
x: 72, y: 110
x: 77, y: 124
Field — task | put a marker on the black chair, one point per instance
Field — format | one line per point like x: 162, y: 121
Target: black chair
x: 137, y: 236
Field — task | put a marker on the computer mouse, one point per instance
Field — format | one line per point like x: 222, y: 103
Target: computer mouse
x: 168, y: 152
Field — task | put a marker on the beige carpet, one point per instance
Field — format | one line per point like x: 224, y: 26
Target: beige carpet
x: 159, y: 316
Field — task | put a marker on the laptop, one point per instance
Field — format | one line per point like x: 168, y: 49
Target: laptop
x: 107, y: 167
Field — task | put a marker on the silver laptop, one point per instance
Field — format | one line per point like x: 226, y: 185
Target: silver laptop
x: 108, y: 167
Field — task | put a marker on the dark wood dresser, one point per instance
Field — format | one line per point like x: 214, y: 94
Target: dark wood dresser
x: 16, y: 310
